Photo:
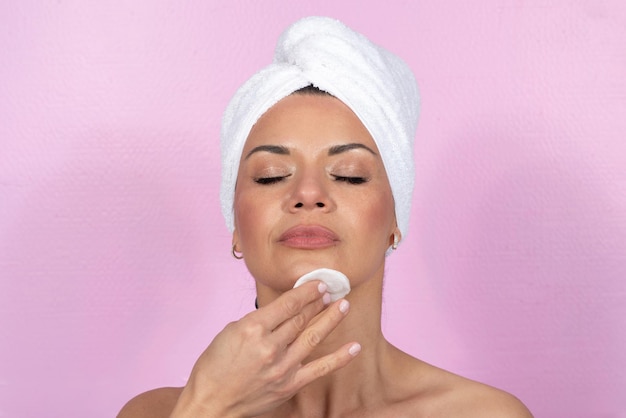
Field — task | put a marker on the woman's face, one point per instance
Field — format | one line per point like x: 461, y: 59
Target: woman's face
x: 312, y: 192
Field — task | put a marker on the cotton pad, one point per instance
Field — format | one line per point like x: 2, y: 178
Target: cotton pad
x: 337, y: 282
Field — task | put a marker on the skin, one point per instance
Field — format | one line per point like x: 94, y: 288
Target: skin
x: 310, y: 161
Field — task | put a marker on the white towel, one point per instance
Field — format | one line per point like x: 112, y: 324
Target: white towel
x: 377, y: 85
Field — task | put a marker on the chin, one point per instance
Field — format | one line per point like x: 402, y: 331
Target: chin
x: 297, y: 266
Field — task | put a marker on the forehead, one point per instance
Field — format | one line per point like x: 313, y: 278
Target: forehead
x: 307, y: 120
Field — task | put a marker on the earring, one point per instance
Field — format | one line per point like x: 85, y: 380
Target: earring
x: 394, y: 246
x: 234, y: 253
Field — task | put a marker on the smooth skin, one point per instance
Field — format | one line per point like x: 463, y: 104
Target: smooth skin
x: 309, y: 165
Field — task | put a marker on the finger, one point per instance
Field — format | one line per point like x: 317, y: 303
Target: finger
x: 327, y: 364
x: 316, y: 332
x: 291, y: 303
x: 287, y: 332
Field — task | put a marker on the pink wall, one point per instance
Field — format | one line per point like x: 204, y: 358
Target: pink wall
x: 115, y: 269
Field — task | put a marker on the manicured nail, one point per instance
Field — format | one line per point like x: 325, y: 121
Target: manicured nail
x: 326, y: 298
x: 355, y: 349
x: 322, y: 287
x: 344, y: 306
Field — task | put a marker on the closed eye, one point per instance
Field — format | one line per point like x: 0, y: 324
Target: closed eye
x: 269, y: 180
x: 350, y: 180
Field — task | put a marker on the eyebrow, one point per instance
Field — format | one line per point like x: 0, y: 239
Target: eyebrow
x: 274, y: 149
x: 338, y: 149
x: 334, y: 150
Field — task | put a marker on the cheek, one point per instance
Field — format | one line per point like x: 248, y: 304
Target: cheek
x: 250, y: 217
x: 383, y: 207
x: 376, y: 216
x: 243, y: 215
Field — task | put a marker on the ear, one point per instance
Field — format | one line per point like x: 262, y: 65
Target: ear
x: 395, y: 237
x: 235, y: 239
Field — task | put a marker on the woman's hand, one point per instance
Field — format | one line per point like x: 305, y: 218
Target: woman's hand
x: 255, y: 364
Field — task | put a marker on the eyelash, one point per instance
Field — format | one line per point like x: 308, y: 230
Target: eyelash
x: 278, y: 179
x: 269, y: 180
x: 351, y: 180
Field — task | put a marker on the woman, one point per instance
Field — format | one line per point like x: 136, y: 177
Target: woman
x: 318, y: 173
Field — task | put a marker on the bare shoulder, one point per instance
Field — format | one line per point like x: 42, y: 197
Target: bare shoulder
x: 485, y: 401
x: 431, y: 391
x: 155, y: 403
x: 458, y: 396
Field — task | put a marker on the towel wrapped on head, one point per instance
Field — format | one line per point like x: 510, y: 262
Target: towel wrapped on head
x: 374, y: 83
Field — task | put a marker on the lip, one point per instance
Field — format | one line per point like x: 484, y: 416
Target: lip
x: 309, y: 237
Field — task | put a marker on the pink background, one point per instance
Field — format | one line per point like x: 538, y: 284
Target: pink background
x: 115, y: 269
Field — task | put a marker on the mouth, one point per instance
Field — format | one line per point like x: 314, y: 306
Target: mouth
x: 308, y: 237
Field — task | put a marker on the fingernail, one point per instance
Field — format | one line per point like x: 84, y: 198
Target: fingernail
x: 344, y: 306
x: 322, y: 287
x: 326, y: 298
x: 355, y: 349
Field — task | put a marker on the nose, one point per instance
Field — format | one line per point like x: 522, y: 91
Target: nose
x: 310, y: 193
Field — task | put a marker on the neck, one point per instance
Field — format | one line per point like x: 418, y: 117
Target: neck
x: 358, y: 385
x: 363, y: 381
